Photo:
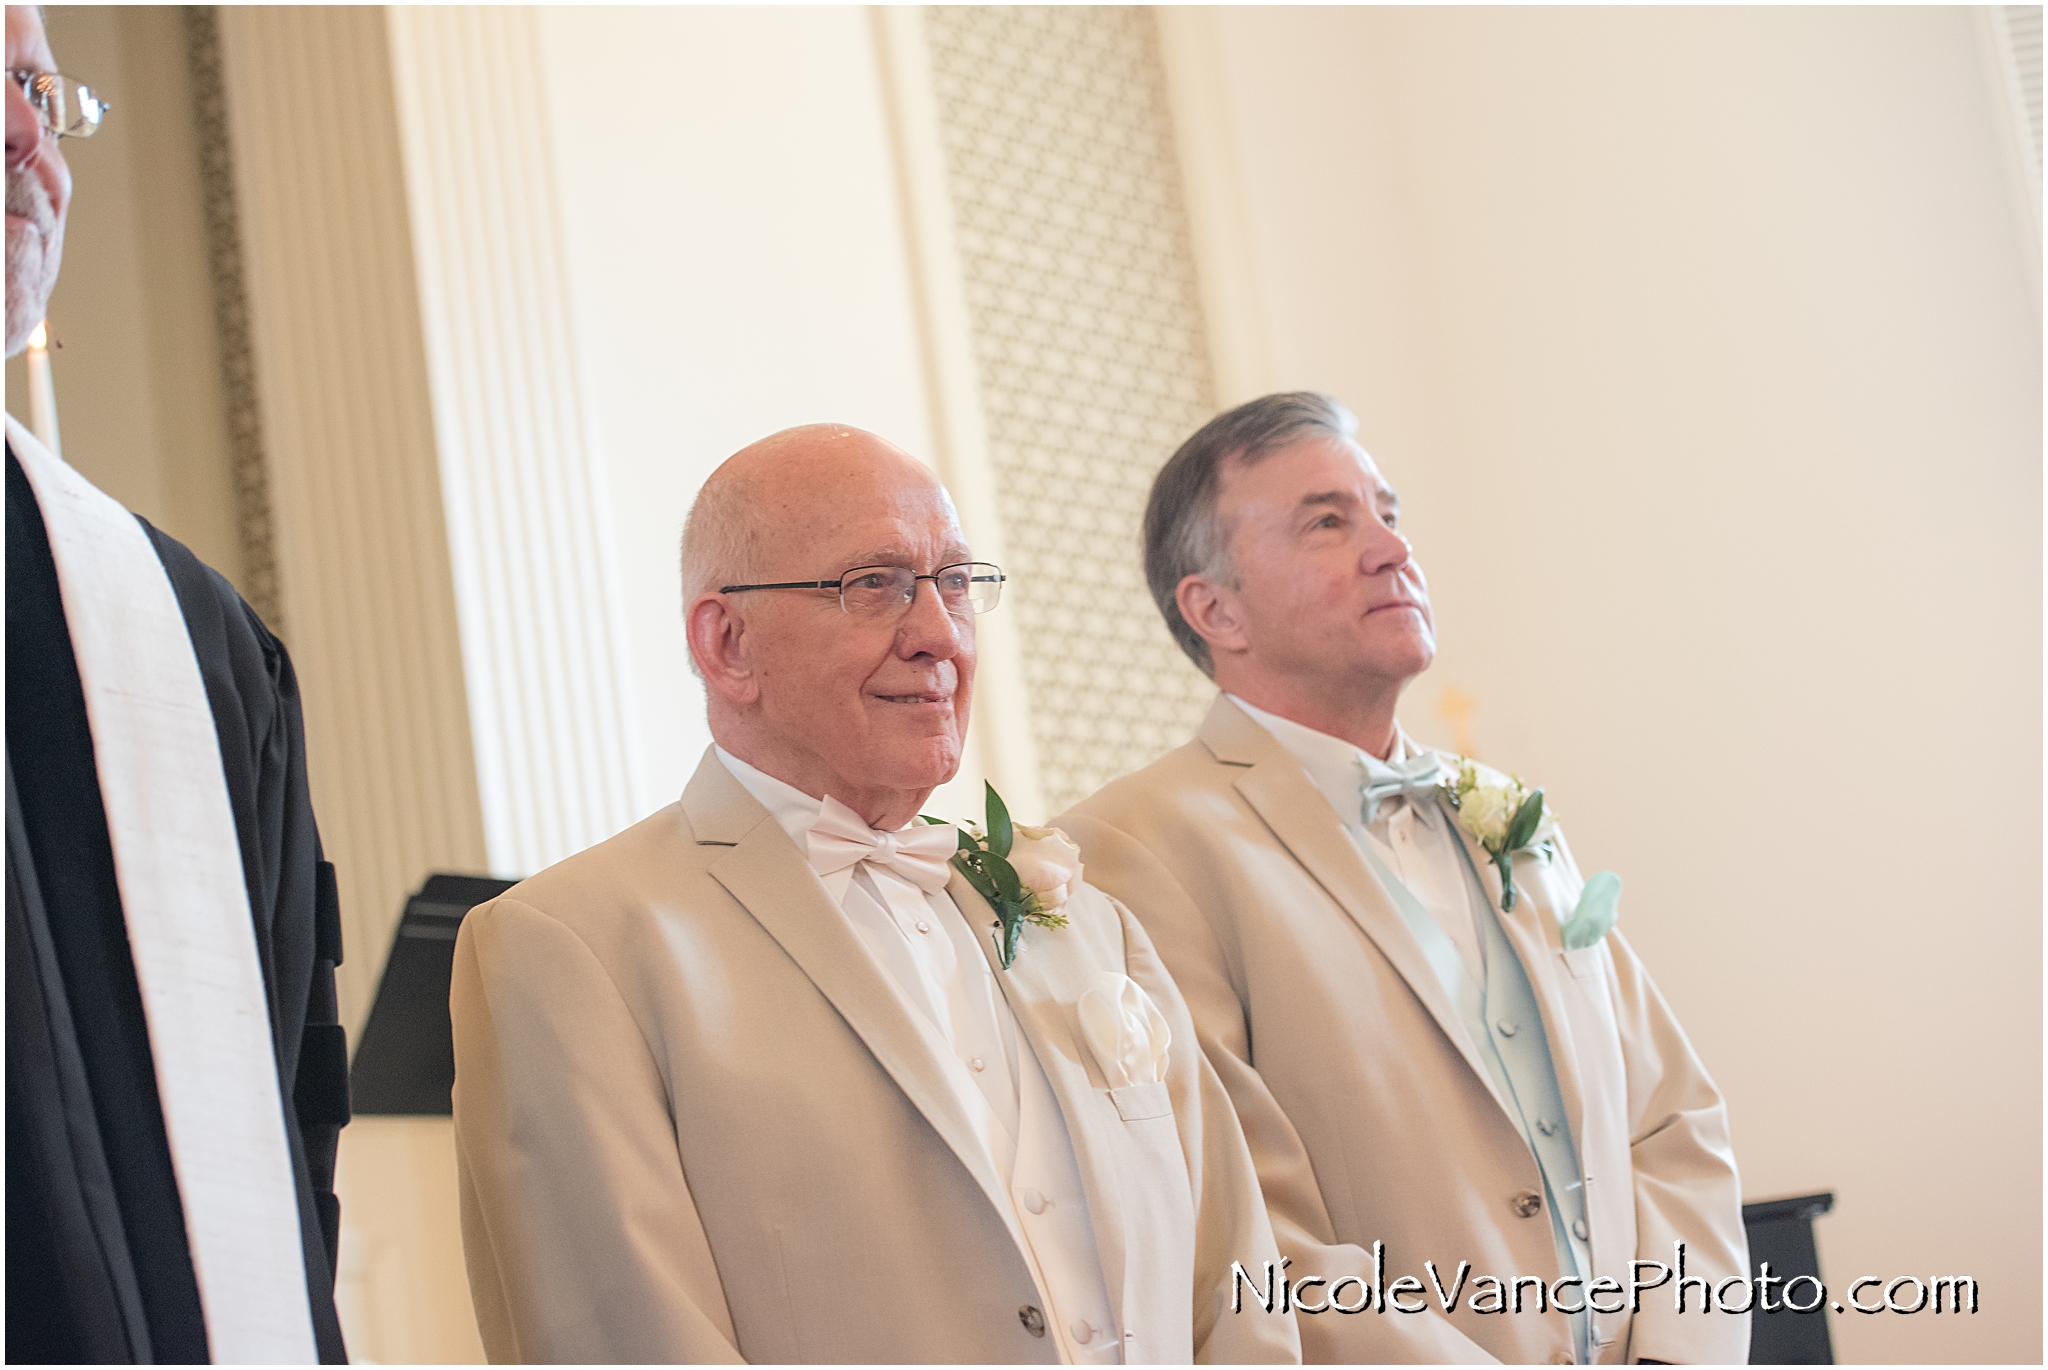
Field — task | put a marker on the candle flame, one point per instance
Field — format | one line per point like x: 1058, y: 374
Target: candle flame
x: 39, y: 339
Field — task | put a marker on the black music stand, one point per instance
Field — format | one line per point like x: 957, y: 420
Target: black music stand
x: 406, y: 1061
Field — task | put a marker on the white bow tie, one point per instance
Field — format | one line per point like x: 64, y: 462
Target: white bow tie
x: 841, y: 840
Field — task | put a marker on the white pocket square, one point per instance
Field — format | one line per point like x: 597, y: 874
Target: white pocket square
x: 1125, y: 1030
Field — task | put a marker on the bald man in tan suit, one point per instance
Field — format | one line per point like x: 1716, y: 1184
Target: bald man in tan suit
x: 1420, y: 1071
x: 754, y: 1081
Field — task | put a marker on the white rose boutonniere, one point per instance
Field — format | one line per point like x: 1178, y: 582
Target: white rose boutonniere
x: 1503, y: 817
x: 1049, y: 865
x: 1026, y: 874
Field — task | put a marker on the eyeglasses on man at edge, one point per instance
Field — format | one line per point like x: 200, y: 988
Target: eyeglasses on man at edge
x: 66, y: 108
x: 873, y: 591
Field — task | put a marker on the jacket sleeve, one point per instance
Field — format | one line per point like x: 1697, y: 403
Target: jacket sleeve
x: 1686, y: 1185
x: 1125, y: 868
x: 581, y: 1236
x: 1231, y: 1226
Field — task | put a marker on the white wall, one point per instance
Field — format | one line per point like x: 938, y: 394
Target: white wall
x: 737, y: 260
x: 1704, y: 348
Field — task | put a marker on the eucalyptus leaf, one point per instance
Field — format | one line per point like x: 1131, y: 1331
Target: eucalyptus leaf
x: 1000, y: 832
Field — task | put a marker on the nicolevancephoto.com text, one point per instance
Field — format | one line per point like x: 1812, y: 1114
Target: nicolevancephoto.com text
x: 1273, y: 1292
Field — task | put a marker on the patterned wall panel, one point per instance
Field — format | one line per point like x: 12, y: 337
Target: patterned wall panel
x: 1092, y: 360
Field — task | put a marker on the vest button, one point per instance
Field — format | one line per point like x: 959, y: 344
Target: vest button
x: 1083, y: 1333
x: 1033, y: 1320
x: 1546, y: 1127
x: 978, y: 1063
x: 1526, y: 1204
x: 1507, y: 1027
x: 1581, y: 1231
x: 1035, y: 1202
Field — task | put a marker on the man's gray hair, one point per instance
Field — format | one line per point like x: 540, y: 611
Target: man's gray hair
x: 1183, y: 536
x: 720, y: 544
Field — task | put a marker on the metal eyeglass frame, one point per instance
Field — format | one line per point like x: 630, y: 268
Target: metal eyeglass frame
x: 998, y: 579
x: 49, y: 92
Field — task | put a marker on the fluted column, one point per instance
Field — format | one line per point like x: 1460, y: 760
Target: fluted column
x: 341, y: 381
x: 522, y: 478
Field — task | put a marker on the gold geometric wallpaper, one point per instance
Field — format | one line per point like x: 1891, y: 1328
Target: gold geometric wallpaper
x: 1091, y: 355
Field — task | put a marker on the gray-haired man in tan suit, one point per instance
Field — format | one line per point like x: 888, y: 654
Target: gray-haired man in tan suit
x: 751, y: 1080
x: 1422, y: 1064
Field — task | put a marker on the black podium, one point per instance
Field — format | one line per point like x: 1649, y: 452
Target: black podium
x: 1781, y: 1233
x: 406, y: 1062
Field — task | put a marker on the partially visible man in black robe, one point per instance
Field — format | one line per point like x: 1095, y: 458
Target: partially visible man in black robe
x: 98, y: 1267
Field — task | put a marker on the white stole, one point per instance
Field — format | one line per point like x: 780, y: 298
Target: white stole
x: 178, y: 864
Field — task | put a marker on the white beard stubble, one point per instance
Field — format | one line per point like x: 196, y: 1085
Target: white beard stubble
x: 33, y: 253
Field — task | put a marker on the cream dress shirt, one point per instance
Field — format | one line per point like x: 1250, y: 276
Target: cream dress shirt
x: 1413, y: 839
x: 927, y: 949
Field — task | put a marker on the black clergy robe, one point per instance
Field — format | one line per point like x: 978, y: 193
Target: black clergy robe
x: 98, y: 1268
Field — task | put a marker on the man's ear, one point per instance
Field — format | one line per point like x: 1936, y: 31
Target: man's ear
x: 1213, y: 611
x: 718, y: 643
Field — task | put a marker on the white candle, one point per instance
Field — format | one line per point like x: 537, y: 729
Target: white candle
x: 42, y: 391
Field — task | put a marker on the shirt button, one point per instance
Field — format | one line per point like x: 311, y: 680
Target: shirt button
x: 1580, y: 1230
x: 1035, y: 1202
x: 1526, y: 1204
x: 923, y: 926
x: 1507, y: 1027
x: 1546, y: 1127
x: 1083, y: 1333
x: 1033, y: 1320
x: 978, y: 1063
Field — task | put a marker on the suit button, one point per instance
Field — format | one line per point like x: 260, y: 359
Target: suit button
x: 1507, y: 1027
x: 1561, y: 1358
x: 1083, y: 1333
x: 1033, y: 1320
x: 1580, y: 1230
x: 1035, y: 1202
x: 1526, y: 1204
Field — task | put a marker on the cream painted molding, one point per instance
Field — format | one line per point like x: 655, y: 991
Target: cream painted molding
x: 1001, y: 728
x: 2012, y: 59
x: 1219, y: 220
x: 522, y: 476
x: 349, y: 439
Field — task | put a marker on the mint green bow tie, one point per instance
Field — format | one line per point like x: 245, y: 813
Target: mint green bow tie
x: 1414, y: 777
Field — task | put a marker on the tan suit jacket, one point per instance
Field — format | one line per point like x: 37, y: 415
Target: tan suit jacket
x: 1368, y: 1112
x: 695, y: 1123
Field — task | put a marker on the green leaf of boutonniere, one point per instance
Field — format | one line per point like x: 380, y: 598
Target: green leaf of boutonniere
x: 984, y: 860
x: 1525, y: 822
x: 1001, y: 835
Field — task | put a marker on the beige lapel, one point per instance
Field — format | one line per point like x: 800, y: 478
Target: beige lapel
x: 1282, y: 794
x: 1526, y: 929
x: 1049, y: 1025
x: 770, y: 877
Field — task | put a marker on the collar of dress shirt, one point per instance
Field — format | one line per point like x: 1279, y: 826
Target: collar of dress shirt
x: 789, y: 806
x: 1328, y: 760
